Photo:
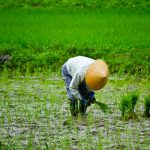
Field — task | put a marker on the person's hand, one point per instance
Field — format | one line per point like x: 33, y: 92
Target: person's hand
x: 91, y: 100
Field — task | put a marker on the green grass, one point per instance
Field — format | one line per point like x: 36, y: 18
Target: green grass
x: 75, y: 3
x: 48, y: 37
x: 103, y: 28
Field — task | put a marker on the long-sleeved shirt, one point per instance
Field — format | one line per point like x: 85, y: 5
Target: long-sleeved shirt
x: 77, y: 67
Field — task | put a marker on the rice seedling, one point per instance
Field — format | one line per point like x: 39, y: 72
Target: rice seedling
x: 147, y: 106
x: 103, y: 107
x: 127, y: 105
x: 134, y: 99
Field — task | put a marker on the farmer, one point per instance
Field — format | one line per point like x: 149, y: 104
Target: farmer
x: 83, y: 76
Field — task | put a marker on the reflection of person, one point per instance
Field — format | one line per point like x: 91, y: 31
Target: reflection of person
x: 82, y: 76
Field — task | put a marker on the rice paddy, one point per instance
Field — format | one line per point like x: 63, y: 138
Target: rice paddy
x: 34, y: 114
x: 34, y: 109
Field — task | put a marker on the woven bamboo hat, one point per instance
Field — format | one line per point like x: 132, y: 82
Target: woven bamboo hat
x: 97, y: 75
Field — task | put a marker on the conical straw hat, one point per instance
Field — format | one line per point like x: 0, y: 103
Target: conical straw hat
x: 97, y: 75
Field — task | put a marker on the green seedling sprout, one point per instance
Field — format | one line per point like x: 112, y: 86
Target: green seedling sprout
x: 147, y: 106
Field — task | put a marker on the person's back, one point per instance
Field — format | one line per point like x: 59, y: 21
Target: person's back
x: 79, y: 63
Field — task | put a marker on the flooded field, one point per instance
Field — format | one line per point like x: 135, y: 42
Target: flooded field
x: 34, y: 114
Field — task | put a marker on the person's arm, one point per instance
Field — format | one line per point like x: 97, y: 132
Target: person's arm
x: 76, y: 80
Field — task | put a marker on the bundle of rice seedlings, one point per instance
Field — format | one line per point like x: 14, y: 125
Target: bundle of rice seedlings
x: 127, y: 105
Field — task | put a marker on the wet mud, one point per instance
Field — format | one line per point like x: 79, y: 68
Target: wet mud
x: 34, y: 112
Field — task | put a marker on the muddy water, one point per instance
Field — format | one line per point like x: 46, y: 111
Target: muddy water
x: 34, y: 113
